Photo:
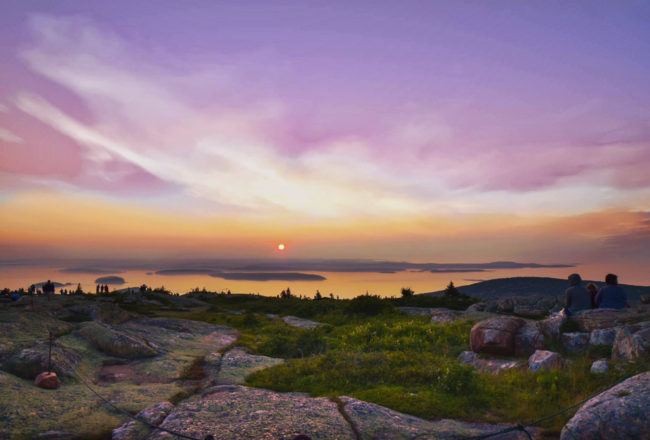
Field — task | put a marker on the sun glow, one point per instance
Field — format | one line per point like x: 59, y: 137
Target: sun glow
x: 281, y: 246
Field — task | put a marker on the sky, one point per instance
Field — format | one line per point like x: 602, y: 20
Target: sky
x: 413, y: 130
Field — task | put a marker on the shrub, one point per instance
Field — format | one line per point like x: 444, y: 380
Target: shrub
x: 369, y: 305
x: 407, y: 292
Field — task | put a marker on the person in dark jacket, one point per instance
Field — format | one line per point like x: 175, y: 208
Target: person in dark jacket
x: 611, y: 296
x: 593, y: 290
x: 577, y: 297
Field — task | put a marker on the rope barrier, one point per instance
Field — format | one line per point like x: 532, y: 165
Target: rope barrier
x: 126, y: 413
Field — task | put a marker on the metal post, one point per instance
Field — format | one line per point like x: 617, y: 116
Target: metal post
x: 49, y: 358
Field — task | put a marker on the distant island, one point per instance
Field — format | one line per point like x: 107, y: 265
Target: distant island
x: 269, y: 276
x: 110, y: 280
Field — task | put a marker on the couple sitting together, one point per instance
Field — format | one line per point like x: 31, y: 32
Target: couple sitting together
x: 610, y: 296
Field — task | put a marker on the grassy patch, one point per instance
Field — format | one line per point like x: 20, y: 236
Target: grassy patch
x: 372, y: 352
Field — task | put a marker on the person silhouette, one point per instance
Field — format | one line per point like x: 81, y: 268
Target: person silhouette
x: 577, y: 298
x: 611, y: 295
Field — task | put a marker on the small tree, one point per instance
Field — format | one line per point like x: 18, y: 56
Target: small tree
x: 407, y: 292
x: 451, y: 290
x: 79, y: 291
x: 318, y: 296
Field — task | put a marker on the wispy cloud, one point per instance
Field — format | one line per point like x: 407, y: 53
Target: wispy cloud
x: 8, y: 136
x: 221, y: 138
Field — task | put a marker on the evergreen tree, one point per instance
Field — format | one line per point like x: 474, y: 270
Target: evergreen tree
x: 451, y: 290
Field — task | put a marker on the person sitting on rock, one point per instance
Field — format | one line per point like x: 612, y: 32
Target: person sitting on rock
x: 611, y: 296
x: 577, y: 298
x: 593, y: 290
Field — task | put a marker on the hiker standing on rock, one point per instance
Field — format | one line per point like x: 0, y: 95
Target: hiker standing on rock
x: 577, y: 297
x: 48, y: 289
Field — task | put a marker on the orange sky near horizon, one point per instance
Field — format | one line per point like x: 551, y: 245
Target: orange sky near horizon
x: 49, y: 223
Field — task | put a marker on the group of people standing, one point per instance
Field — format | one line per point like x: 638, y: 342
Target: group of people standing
x: 101, y: 288
x: 579, y: 297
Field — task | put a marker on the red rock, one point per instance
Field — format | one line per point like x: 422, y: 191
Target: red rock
x: 528, y: 339
x: 495, y: 336
x: 47, y: 380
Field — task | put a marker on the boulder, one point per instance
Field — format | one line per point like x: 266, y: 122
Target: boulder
x: 594, y: 319
x: 495, y: 336
x: 444, y: 317
x: 530, y: 306
x: 155, y: 413
x: 543, y: 359
x: 604, y: 336
x: 104, y: 312
x: 476, y: 307
x: 505, y: 305
x: 301, y: 323
x: 620, y: 413
x: 630, y: 346
x: 47, y: 380
x: 30, y: 362
x: 115, y: 343
x: 575, y: 342
x: 599, y: 367
x: 528, y: 338
x: 128, y: 431
x: 551, y: 326
x: 487, y: 365
x: 236, y: 364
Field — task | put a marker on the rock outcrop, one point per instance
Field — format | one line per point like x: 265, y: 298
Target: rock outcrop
x: 301, y: 323
x: 575, y: 342
x: 604, y: 336
x: 375, y: 422
x: 236, y: 364
x: 233, y: 411
x: 630, y: 346
x: 551, y: 326
x: 487, y: 365
x: 595, y: 319
x: 528, y: 339
x: 115, y: 343
x: 153, y: 415
x: 527, y: 306
x: 620, y: 413
x: 544, y: 359
x: 30, y: 362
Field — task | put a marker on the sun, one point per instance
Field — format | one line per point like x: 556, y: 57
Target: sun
x: 281, y: 246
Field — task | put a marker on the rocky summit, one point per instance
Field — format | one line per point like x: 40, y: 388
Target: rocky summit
x: 193, y: 377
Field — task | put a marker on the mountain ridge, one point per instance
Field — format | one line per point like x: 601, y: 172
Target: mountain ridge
x: 531, y: 286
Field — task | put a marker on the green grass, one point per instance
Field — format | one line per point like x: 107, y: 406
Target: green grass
x: 370, y: 351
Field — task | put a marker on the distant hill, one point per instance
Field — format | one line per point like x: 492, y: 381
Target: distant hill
x: 529, y: 286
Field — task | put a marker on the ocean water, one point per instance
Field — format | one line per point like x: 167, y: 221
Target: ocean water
x: 341, y: 284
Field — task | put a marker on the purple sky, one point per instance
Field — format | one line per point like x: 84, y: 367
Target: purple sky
x: 329, y: 111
